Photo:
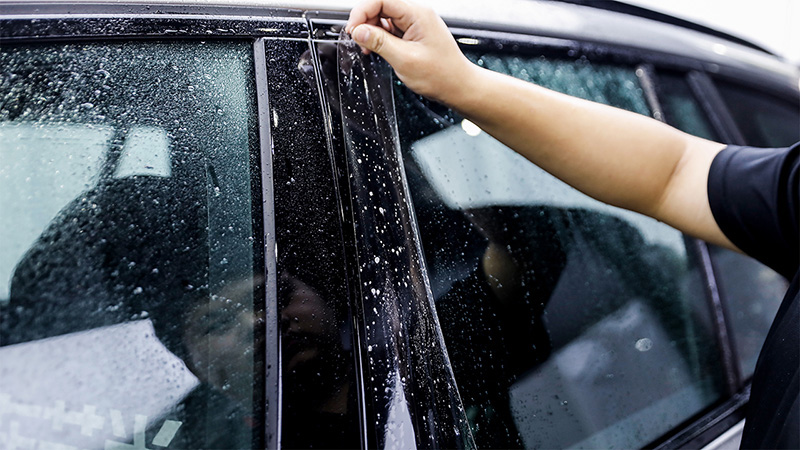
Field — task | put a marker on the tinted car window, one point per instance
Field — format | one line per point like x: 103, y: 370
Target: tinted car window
x: 569, y: 323
x: 752, y: 294
x: 764, y: 120
x: 129, y: 285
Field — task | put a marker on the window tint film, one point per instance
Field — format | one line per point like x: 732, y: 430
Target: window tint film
x: 764, y: 120
x: 569, y: 323
x: 751, y: 291
x: 319, y: 387
x: 130, y: 291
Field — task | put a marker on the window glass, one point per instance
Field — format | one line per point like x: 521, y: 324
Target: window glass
x: 319, y: 388
x: 598, y: 83
x: 129, y: 288
x: 764, y: 120
x: 569, y: 323
x: 751, y: 291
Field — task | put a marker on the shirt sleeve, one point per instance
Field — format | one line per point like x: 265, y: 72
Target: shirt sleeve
x: 754, y: 195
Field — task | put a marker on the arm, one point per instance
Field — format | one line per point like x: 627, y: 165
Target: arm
x: 615, y: 156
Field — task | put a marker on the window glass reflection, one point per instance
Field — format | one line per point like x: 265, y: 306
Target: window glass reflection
x: 681, y: 108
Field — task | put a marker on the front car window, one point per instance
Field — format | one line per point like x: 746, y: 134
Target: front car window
x: 569, y: 323
x: 130, y: 290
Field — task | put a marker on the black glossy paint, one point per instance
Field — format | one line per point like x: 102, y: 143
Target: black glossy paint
x: 319, y: 383
x: 324, y: 60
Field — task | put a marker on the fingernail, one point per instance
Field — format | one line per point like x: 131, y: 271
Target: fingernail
x: 361, y: 34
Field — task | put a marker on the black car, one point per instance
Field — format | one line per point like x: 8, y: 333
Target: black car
x: 222, y: 226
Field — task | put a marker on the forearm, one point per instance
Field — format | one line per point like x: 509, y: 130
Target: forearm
x: 598, y: 149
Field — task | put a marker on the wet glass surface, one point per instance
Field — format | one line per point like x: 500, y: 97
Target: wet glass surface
x: 569, y: 323
x: 320, y: 401
x: 130, y: 300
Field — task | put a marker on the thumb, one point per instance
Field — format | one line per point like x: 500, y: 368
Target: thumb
x: 378, y: 40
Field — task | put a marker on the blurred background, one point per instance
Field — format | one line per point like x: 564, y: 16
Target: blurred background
x: 773, y: 24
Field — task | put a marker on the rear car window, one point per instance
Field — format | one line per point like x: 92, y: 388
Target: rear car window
x: 751, y: 292
x: 130, y: 280
x: 764, y: 120
x: 569, y: 323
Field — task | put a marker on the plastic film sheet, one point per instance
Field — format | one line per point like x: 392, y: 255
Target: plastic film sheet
x: 410, y: 381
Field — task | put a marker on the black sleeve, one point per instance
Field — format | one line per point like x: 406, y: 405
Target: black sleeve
x: 755, y: 198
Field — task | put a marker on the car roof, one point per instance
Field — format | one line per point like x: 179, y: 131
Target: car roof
x: 557, y: 19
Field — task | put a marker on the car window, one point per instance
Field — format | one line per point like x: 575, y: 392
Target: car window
x: 319, y: 387
x: 130, y: 291
x: 751, y: 291
x: 764, y: 120
x: 569, y: 323
x: 752, y: 294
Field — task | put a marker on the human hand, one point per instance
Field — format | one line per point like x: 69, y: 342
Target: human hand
x: 417, y: 44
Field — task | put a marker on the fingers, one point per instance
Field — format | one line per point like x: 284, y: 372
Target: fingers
x: 371, y: 11
x: 415, y: 41
x: 376, y: 39
x: 389, y: 26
